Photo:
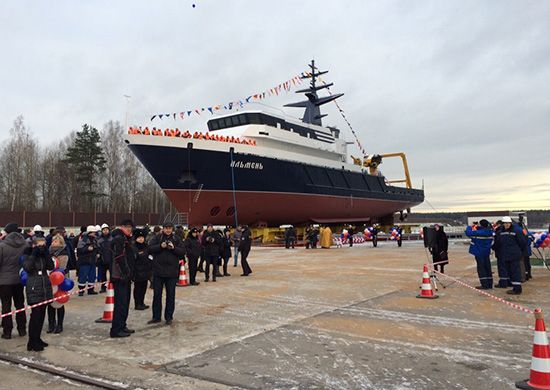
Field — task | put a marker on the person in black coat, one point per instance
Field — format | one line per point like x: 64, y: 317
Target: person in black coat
x: 122, y: 267
x: 244, y: 248
x: 290, y: 237
x: 226, y: 250
x: 211, y: 244
x: 142, y: 270
x: 12, y: 247
x: 439, y: 247
x: 167, y: 250
x: 193, y: 250
x: 38, y: 289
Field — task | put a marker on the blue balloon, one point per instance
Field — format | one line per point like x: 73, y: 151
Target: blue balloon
x: 543, y: 237
x: 66, y: 285
x: 23, y: 276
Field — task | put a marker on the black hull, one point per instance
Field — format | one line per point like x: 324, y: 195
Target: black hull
x: 200, y: 181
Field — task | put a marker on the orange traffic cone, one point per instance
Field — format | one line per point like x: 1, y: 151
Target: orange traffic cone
x: 182, y: 281
x: 540, y: 362
x: 426, y: 289
x: 109, y: 305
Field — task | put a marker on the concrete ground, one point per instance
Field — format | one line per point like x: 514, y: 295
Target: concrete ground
x: 332, y: 319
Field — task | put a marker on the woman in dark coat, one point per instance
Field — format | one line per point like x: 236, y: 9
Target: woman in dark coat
x: 439, y: 248
x: 226, y: 250
x: 143, y: 270
x: 193, y: 249
x: 38, y: 289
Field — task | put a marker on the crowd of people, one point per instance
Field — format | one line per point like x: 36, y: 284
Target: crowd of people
x: 511, y: 244
x: 126, y: 256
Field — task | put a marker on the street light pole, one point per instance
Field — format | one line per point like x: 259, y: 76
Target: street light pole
x: 128, y: 97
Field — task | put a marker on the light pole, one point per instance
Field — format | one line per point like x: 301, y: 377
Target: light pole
x: 128, y: 97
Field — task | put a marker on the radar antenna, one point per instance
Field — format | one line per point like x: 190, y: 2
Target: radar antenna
x: 312, y: 113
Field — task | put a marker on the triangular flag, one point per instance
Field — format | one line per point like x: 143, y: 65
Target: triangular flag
x: 174, y: 114
x: 247, y: 100
x: 182, y: 114
x: 160, y: 116
x: 197, y: 111
x: 153, y: 117
x: 211, y: 111
x: 189, y: 113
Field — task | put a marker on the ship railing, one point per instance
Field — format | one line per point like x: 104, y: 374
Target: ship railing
x: 176, y: 133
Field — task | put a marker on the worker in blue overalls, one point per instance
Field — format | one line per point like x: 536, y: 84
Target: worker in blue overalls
x: 510, y: 243
x: 480, y: 247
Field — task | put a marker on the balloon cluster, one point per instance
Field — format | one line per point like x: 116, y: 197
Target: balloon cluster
x: 368, y: 233
x: 345, y: 234
x: 542, y: 240
x: 60, y: 286
x: 394, y: 234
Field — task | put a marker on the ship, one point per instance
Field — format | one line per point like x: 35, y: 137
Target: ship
x: 257, y: 168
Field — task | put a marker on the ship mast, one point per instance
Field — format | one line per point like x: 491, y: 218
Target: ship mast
x: 312, y: 113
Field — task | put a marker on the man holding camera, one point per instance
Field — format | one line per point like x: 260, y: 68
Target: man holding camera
x: 167, y: 250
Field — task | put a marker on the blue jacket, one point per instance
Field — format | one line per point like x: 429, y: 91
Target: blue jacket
x: 510, y: 244
x: 482, y: 240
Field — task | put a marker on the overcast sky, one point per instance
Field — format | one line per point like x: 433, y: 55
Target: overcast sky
x: 463, y: 87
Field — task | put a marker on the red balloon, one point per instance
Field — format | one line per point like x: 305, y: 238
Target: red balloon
x: 56, y: 278
x: 60, y: 293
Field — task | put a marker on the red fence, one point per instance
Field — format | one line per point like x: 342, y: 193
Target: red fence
x: 53, y: 218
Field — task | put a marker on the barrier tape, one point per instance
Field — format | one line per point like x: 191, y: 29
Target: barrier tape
x: 483, y: 292
x: 47, y: 302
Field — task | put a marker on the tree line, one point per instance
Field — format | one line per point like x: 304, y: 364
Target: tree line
x: 88, y: 170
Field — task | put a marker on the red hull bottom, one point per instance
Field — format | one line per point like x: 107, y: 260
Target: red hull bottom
x: 275, y: 209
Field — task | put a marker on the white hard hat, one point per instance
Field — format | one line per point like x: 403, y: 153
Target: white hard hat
x: 91, y: 229
x: 97, y: 228
x: 104, y: 226
x: 37, y: 228
x: 506, y: 220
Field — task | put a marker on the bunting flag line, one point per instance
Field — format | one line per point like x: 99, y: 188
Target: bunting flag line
x: 235, y: 104
x: 343, y: 114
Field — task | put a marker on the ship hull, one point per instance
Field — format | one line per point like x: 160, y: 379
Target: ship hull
x: 217, y: 207
x: 212, y: 186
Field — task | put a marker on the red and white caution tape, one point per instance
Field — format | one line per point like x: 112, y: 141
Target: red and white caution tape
x: 483, y: 292
x: 47, y: 302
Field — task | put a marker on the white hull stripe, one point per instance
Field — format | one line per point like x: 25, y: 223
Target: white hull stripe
x: 540, y: 365
x: 540, y: 338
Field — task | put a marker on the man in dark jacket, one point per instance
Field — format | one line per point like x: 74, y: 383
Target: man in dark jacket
x: 211, y: 243
x: 167, y: 250
x: 510, y: 243
x: 244, y: 248
x: 105, y: 256
x: 11, y: 289
x: 122, y: 266
x: 480, y: 247
x: 193, y: 250
x: 290, y: 237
